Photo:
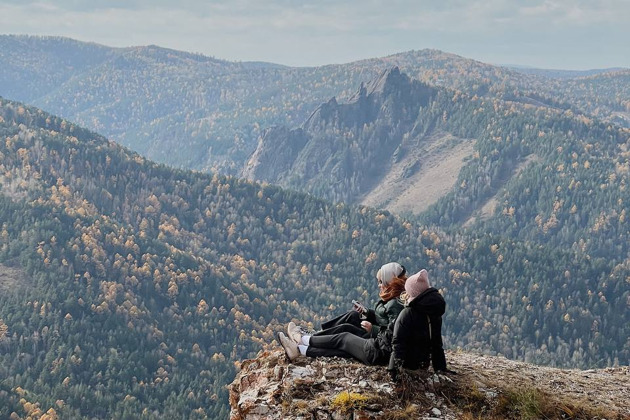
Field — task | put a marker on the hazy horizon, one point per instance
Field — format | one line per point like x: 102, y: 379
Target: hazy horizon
x: 509, y: 65
x: 546, y: 34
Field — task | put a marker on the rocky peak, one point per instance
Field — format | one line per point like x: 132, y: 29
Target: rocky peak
x: 326, y: 112
x: 367, y: 104
x: 337, y: 153
x: 268, y: 387
x: 390, y: 80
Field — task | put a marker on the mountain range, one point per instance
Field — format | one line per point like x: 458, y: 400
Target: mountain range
x: 153, y: 99
x: 129, y: 288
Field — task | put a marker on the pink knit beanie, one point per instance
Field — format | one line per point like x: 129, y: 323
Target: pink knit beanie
x: 416, y: 284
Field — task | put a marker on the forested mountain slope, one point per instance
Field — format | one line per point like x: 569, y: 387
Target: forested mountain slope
x: 33, y: 67
x: 548, y: 174
x: 134, y: 287
x: 156, y: 100
x: 564, y: 74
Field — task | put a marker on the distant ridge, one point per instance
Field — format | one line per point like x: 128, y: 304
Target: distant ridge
x: 155, y: 100
x: 565, y: 74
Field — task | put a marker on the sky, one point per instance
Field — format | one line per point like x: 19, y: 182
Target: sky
x: 553, y: 34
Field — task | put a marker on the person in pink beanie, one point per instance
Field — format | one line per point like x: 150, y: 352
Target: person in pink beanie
x: 417, y: 338
x: 417, y: 284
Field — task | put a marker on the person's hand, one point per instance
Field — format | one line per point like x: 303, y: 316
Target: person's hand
x: 367, y: 326
x: 358, y: 307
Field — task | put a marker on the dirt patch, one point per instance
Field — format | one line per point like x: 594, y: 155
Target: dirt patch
x: 11, y: 278
x: 424, y: 174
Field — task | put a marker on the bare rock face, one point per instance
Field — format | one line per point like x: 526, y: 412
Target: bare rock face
x: 277, y: 156
x: 344, y: 150
x: 269, y: 387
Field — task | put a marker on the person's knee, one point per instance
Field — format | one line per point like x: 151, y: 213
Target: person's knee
x: 350, y: 328
x: 355, y: 317
x: 343, y: 338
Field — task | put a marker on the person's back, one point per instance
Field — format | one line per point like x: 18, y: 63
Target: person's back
x: 417, y: 337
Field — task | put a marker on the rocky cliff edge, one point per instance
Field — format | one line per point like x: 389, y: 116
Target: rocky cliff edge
x: 485, y: 387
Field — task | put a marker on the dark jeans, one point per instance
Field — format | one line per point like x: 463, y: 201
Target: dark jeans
x: 348, y: 322
x: 345, y: 345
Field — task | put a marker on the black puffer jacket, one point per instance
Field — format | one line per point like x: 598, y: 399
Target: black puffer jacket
x: 379, y: 349
x: 417, y: 337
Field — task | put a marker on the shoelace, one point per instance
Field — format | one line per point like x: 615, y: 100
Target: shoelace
x: 305, y: 331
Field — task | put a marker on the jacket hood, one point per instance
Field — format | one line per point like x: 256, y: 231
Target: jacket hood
x: 429, y: 302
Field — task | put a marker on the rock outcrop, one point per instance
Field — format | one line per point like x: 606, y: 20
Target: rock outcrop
x: 369, y: 149
x: 269, y: 387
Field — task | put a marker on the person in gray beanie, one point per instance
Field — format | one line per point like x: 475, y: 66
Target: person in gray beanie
x: 414, y: 341
x: 361, y: 321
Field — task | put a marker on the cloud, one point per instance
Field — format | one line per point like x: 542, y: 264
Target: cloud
x: 578, y: 12
x: 467, y: 17
x: 299, y: 32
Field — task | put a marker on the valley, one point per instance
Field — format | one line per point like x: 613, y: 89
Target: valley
x: 277, y: 194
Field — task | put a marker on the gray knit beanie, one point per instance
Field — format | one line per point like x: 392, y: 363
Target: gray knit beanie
x: 389, y: 272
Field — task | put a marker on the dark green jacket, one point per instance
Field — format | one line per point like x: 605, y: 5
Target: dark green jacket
x: 383, y: 314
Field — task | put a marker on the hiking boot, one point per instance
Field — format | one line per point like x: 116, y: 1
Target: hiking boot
x: 294, y: 332
x: 306, y: 331
x: 290, y: 347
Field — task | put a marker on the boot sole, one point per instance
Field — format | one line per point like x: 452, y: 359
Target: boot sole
x: 283, y: 348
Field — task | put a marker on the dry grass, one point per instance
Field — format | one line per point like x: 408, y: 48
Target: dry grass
x: 410, y: 412
x: 566, y: 393
x: 531, y: 404
x: 524, y: 403
x: 412, y: 387
x: 345, y: 402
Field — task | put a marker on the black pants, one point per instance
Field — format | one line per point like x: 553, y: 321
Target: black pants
x: 348, y: 322
x: 344, y: 344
